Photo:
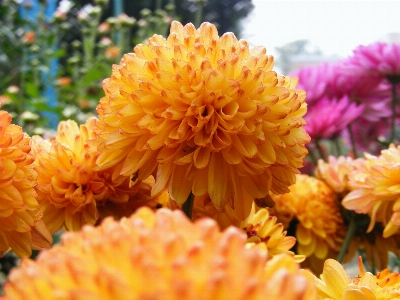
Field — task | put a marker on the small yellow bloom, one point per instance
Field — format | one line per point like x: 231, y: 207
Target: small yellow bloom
x: 376, y: 190
x: 70, y: 190
x: 314, y: 208
x: 335, y: 284
x: 208, y: 113
x: 160, y: 255
x: 264, y: 231
x: 21, y: 228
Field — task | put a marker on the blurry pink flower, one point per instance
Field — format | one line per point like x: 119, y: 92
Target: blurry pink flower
x: 312, y: 79
x: 328, y: 117
x: 372, y: 91
x: 376, y: 59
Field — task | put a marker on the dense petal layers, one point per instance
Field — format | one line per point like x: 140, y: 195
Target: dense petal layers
x: 376, y: 189
x: 209, y: 113
x: 158, y: 255
x: 320, y: 227
x: 21, y: 228
x: 335, y: 284
x: 70, y: 190
x: 265, y: 232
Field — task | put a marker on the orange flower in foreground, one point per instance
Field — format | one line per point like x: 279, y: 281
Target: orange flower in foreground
x: 21, y: 228
x: 335, y: 284
x: 376, y: 190
x: 320, y: 227
x: 70, y: 191
x: 209, y: 112
x: 160, y: 255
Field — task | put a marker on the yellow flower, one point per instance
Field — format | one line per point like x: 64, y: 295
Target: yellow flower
x: 21, y: 228
x: 263, y: 231
x: 376, y: 190
x: 314, y: 208
x: 209, y: 113
x: 160, y: 255
x: 335, y: 284
x: 69, y: 189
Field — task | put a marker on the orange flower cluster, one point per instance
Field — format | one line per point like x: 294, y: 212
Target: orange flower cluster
x: 160, y: 255
x: 21, y: 228
x: 70, y: 191
x: 208, y: 113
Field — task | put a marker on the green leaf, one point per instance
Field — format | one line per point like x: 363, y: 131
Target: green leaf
x: 32, y: 90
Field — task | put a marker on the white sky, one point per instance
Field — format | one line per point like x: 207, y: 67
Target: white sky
x: 336, y: 27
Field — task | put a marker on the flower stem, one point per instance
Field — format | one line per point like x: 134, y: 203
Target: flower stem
x: 187, y: 207
x: 320, y: 150
x: 393, y: 119
x: 349, y: 235
x: 199, y: 13
x: 352, y: 141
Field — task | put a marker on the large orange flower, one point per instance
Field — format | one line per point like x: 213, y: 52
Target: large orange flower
x: 21, y: 228
x: 69, y: 188
x: 209, y: 112
x: 160, y: 255
x: 376, y: 190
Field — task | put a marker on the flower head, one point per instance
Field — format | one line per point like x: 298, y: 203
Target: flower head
x: 335, y: 172
x: 69, y: 189
x: 328, y: 117
x: 317, y: 237
x: 376, y: 59
x: 158, y: 255
x: 312, y: 79
x: 335, y: 284
x: 376, y: 190
x: 263, y: 231
x: 209, y: 113
x: 21, y: 228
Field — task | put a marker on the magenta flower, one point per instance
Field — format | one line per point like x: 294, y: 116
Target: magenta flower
x: 371, y: 90
x: 312, y: 79
x: 328, y: 117
x: 376, y: 59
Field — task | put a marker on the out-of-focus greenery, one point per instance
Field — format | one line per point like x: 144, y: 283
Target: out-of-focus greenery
x: 51, y: 68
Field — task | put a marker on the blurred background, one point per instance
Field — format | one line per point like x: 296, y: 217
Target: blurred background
x: 54, y: 54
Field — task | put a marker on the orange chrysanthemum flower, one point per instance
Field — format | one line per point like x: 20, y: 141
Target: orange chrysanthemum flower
x: 209, y: 112
x: 21, y: 228
x: 69, y: 188
x: 319, y: 228
x: 335, y: 284
x: 160, y: 255
x: 376, y: 190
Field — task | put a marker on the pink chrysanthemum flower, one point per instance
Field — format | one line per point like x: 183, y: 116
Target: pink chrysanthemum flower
x: 312, y: 79
x: 372, y: 91
x: 328, y: 117
x: 376, y: 59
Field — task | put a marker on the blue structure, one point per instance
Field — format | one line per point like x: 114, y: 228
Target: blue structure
x: 49, y: 93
